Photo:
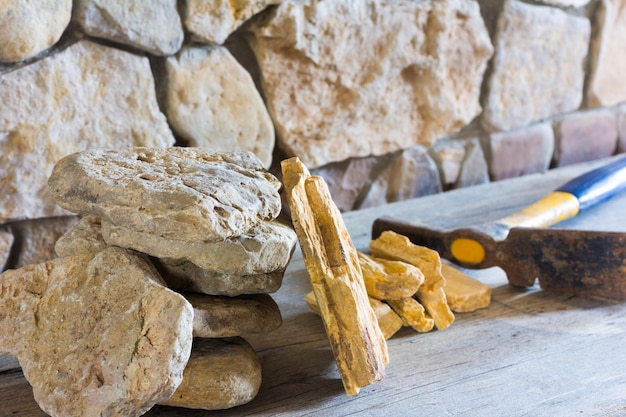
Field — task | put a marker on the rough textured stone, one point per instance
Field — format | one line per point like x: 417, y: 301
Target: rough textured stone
x: 621, y: 128
x: 211, y: 21
x: 216, y: 316
x: 474, y: 170
x: 31, y: 26
x: 567, y: 3
x: 6, y: 243
x: 186, y: 276
x: 151, y: 25
x: 449, y: 157
x: 86, y: 96
x: 266, y: 247
x: 84, y: 237
x: 221, y: 373
x: 409, y: 174
x: 608, y: 61
x: 187, y: 194
x: 212, y: 102
x: 537, y: 69
x: 346, y: 179
x: 37, y: 239
x: 521, y: 152
x: 585, y: 136
x: 95, y: 335
x: 352, y: 78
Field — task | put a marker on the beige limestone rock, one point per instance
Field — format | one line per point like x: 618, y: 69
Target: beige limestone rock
x: 211, y: 21
x: 37, y: 238
x: 474, y: 170
x: 187, y: 194
x: 532, y: 40
x: 84, y: 237
x: 31, y: 26
x: 151, y: 25
x: 221, y: 374
x: 608, y: 61
x: 186, y: 276
x: 620, y: 115
x: 346, y: 180
x: 266, y: 247
x: 95, y: 335
x: 351, y: 78
x: 212, y: 102
x: 585, y: 136
x: 216, y: 316
x: 6, y: 243
x: 523, y: 151
x: 567, y: 3
x: 87, y: 96
x: 407, y: 174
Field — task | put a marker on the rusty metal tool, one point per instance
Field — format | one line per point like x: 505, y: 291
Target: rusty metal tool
x: 581, y: 262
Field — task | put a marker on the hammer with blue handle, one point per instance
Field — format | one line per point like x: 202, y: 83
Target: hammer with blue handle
x: 589, y: 263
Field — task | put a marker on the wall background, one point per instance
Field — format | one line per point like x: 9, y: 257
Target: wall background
x: 387, y: 100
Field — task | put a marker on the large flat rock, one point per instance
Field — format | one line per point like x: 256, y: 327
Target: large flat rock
x: 187, y: 194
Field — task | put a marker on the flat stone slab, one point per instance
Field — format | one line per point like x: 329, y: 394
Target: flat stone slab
x: 267, y: 247
x: 96, y: 335
x: 216, y: 316
x: 221, y: 374
x: 188, y: 194
x: 185, y: 276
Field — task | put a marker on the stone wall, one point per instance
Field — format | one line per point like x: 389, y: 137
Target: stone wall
x: 387, y: 100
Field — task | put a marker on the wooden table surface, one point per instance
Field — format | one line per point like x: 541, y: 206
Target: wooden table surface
x: 531, y: 353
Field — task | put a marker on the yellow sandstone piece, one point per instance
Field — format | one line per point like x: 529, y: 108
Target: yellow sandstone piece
x: 389, y: 280
x: 388, y: 321
x: 394, y: 246
x: 464, y: 293
x: 436, y: 304
x: 357, y: 342
x: 412, y: 314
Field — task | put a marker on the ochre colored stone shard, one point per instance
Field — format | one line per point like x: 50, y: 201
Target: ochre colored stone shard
x: 464, y: 293
x: 388, y: 321
x: 391, y: 245
x: 412, y: 314
x: 437, y: 306
x: 389, y: 280
x: 331, y: 260
x: 394, y: 246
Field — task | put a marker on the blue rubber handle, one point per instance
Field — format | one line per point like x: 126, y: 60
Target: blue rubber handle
x: 598, y: 185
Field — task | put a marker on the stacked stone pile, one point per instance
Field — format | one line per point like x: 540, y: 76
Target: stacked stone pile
x: 100, y: 330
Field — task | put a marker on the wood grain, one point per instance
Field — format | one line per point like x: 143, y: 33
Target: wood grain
x: 531, y: 353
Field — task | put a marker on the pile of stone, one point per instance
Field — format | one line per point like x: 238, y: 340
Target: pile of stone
x: 169, y: 266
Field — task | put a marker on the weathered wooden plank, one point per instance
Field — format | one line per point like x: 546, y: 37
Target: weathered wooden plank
x: 531, y: 352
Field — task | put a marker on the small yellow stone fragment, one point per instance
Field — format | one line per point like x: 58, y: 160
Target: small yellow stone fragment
x: 388, y: 321
x: 412, y: 314
x: 394, y: 246
x: 437, y: 306
x: 464, y: 293
x: 389, y: 280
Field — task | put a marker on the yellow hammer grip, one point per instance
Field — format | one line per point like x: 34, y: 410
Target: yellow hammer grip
x: 553, y: 208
